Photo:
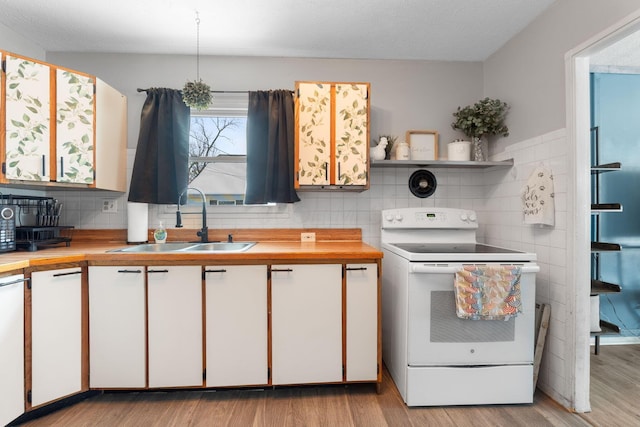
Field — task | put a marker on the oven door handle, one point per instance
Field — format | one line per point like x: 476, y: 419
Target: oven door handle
x: 421, y: 268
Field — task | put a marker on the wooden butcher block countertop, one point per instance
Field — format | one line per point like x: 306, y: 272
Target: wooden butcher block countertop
x: 274, y: 246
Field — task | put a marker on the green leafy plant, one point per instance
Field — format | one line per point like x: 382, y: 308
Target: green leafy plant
x: 484, y: 118
x: 197, y: 94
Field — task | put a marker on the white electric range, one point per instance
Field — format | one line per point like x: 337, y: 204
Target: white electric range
x: 434, y: 357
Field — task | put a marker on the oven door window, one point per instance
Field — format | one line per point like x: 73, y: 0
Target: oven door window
x: 437, y: 337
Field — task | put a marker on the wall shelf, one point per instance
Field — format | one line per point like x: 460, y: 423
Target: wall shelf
x: 606, y: 207
x: 441, y: 164
x: 606, y: 167
x: 597, y: 207
x: 600, y: 287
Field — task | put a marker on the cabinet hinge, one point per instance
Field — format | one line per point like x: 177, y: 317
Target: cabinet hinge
x: 95, y: 89
x: 342, y: 371
x: 28, y: 396
x: 343, y: 270
x: 204, y: 375
x: 378, y: 369
x: 268, y: 374
x: 4, y: 65
x: 268, y: 274
x: 4, y: 168
x: 297, y: 93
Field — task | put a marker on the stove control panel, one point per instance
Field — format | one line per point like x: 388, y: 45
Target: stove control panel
x: 429, y: 218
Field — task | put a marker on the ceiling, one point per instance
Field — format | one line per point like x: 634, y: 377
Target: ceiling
x: 623, y: 53
x: 451, y: 30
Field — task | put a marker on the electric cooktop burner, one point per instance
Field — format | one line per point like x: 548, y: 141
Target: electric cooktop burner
x: 452, y: 248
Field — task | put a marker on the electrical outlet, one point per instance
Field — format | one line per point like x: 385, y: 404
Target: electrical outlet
x: 109, y: 206
x: 307, y: 237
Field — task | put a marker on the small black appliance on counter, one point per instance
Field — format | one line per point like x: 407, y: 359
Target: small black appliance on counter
x: 30, y: 222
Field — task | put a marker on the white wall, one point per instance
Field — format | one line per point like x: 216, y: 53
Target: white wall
x: 15, y: 43
x: 404, y: 94
x: 502, y: 220
x: 529, y: 73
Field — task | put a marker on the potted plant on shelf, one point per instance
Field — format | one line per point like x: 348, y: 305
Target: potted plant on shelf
x: 478, y: 121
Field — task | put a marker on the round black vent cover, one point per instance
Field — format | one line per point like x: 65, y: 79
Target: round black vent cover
x: 422, y: 183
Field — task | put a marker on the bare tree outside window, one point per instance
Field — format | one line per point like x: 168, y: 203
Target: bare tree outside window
x: 210, y: 137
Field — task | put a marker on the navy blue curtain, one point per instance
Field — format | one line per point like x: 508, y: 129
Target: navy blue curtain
x: 270, y: 148
x: 160, y: 170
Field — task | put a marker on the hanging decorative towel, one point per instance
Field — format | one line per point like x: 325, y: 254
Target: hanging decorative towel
x: 538, y: 204
x: 488, y: 292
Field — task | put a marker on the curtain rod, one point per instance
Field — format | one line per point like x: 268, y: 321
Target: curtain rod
x: 213, y: 91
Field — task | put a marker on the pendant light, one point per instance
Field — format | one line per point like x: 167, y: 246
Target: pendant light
x: 197, y: 94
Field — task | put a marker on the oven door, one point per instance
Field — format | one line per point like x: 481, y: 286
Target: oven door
x: 437, y: 337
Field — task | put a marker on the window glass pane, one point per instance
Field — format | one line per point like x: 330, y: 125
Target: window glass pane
x: 217, y: 149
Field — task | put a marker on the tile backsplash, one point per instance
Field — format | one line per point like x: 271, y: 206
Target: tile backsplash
x: 493, y: 193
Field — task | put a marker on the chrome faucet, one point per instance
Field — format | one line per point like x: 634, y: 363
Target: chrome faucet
x: 204, y: 231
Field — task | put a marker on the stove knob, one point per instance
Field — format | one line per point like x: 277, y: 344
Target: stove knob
x: 473, y: 217
x: 398, y: 217
x: 389, y: 218
x: 463, y: 217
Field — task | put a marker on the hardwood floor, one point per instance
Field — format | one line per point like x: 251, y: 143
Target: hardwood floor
x: 615, y: 393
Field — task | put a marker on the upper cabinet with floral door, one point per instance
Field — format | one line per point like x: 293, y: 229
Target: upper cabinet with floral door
x: 27, y: 118
x: 75, y: 127
x: 332, y: 135
x: 61, y: 127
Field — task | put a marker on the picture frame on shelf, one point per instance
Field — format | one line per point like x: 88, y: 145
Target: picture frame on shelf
x: 423, y: 144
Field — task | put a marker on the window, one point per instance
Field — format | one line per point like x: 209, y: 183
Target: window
x: 217, y: 149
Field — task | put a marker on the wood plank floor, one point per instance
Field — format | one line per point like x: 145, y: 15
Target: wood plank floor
x: 615, y: 400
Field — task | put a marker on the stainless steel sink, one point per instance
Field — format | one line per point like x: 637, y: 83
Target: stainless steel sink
x: 156, y: 247
x: 188, y: 247
x: 220, y: 247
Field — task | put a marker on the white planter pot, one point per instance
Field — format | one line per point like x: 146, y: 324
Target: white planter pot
x: 459, y: 150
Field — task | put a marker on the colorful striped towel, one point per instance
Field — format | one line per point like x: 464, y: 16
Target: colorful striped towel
x: 485, y: 292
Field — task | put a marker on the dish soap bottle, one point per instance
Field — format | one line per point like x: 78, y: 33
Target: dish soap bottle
x: 160, y: 234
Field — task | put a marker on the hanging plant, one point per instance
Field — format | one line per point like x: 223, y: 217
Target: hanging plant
x: 197, y: 94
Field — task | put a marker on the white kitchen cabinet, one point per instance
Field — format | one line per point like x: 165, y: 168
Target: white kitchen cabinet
x: 175, y: 326
x: 75, y: 127
x: 27, y: 118
x: 306, y: 323
x: 362, y: 322
x: 236, y: 325
x: 11, y: 348
x: 111, y: 138
x: 332, y: 135
x: 62, y: 127
x: 56, y: 334
x: 117, y: 317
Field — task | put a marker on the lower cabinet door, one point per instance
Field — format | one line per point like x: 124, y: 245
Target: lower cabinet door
x: 306, y: 316
x: 56, y: 334
x: 175, y: 326
x: 117, y: 345
x: 236, y: 325
x: 362, y: 322
x: 11, y: 348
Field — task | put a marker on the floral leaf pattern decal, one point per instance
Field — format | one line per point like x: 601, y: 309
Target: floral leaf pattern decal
x: 350, y: 136
x: 314, y: 134
x: 27, y: 119
x: 352, y: 141
x: 74, y: 131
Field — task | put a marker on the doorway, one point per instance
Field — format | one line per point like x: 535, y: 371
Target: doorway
x: 578, y: 124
